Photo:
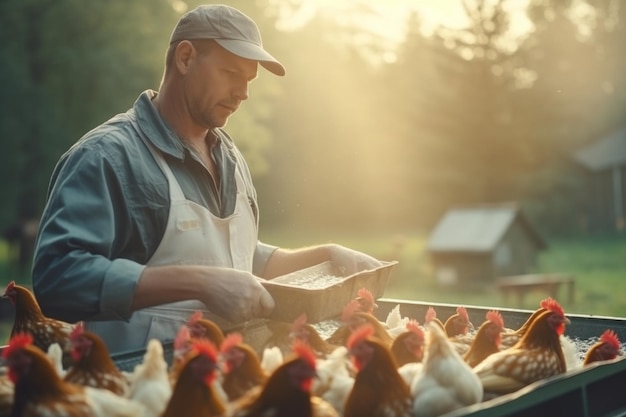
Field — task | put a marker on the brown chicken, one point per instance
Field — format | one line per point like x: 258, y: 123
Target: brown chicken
x: 378, y: 390
x: 303, y: 331
x: 607, y: 348
x: 366, y: 300
x: 93, y: 365
x: 352, y: 317
x: 40, y: 391
x: 287, y: 391
x: 408, y: 346
x: 193, y: 394
x: 487, y: 339
x: 30, y: 319
x: 431, y: 315
x: 202, y: 328
x: 458, y: 323
x: 242, y: 367
x: 536, y: 356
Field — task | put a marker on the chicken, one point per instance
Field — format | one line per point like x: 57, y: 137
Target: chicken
x: 396, y: 324
x: 431, y: 315
x: 182, y: 346
x: 334, y: 378
x: 30, y: 319
x: 40, y: 392
x: 352, y: 317
x: 301, y: 330
x: 408, y: 346
x: 243, y: 369
x: 487, y: 339
x: 458, y: 323
x: 511, y: 337
x: 607, y: 348
x: 271, y: 358
x: 201, y: 328
x: 93, y: 365
x: 378, y: 390
x: 287, y: 391
x: 446, y: 382
x: 366, y: 301
x: 193, y: 394
x: 536, y: 356
x: 150, y: 384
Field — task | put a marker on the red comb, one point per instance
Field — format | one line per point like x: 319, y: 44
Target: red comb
x: 10, y: 286
x: 360, y: 334
x: 462, y: 311
x: 352, y: 307
x: 78, y: 330
x: 365, y: 293
x: 413, y: 326
x: 182, y: 337
x: 205, y: 347
x: 299, y: 322
x: 495, y: 317
x: 552, y: 305
x: 431, y: 314
x: 195, y: 317
x: 19, y: 341
x: 304, y: 352
x: 230, y: 341
x: 610, y: 337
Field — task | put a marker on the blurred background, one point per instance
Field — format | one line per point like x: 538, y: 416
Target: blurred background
x: 393, y: 114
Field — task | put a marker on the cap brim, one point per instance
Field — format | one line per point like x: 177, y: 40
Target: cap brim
x: 253, y: 52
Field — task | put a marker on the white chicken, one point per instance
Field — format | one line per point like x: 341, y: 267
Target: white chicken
x: 446, y: 382
x: 395, y: 322
x: 150, y: 383
x: 334, y: 378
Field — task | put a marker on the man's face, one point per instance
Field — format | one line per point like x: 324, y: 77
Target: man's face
x: 217, y: 83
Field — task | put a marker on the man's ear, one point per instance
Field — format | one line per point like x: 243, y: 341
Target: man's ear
x: 183, y: 56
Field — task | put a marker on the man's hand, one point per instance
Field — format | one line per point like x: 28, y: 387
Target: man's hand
x: 236, y: 295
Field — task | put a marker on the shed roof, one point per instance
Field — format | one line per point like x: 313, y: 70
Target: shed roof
x: 606, y: 153
x: 478, y: 229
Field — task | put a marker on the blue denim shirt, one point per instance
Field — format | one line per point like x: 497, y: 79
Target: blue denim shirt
x: 107, y: 209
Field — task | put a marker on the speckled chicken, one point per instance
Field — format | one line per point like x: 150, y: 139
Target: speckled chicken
x: 30, y: 319
x: 536, y: 356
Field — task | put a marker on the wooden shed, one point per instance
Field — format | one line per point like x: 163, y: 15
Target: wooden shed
x: 604, y: 163
x: 478, y: 244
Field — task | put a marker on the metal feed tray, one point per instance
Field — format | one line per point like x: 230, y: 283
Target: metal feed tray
x: 323, y: 290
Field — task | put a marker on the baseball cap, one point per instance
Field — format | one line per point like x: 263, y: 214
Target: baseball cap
x: 231, y: 29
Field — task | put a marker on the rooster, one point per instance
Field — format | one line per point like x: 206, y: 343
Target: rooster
x: 193, y: 394
x: 287, y: 391
x: 487, y: 339
x: 446, y: 382
x: 408, y: 346
x: 150, y: 384
x: 201, y: 328
x: 607, y: 348
x: 30, y: 319
x: 40, y: 392
x: 536, y: 356
x: 92, y: 364
x: 378, y: 390
x: 243, y: 369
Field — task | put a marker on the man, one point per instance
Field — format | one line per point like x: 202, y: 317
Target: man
x: 153, y: 214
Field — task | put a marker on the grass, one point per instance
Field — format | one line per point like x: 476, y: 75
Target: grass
x: 598, y: 266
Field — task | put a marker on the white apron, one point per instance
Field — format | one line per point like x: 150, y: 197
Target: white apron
x: 193, y: 236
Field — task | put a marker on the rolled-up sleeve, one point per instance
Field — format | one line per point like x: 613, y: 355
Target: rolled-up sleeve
x: 76, y: 273
x: 262, y: 253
